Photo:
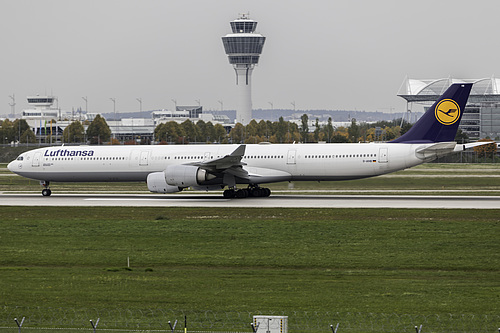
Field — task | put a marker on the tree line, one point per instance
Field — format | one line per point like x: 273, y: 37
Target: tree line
x: 97, y: 132
x: 281, y: 131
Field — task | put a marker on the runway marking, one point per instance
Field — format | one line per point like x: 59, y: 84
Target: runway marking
x: 153, y: 199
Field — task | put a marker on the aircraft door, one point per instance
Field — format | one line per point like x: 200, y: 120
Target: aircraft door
x: 206, y: 156
x: 383, y: 155
x: 143, y: 161
x: 291, y: 157
x: 36, y: 160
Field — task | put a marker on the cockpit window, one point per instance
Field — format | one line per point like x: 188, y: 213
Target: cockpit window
x: 20, y: 158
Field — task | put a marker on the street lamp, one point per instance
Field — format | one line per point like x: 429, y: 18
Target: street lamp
x: 86, y: 107
x: 140, y: 105
x: 221, y: 106
x: 114, y: 111
x: 114, y: 106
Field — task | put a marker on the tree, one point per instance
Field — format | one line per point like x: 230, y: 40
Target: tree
x: 328, y: 130
x: 281, y: 131
x: 12, y: 130
x: 339, y: 138
x: 7, y: 131
x: 486, y: 150
x: 406, y: 127
x: 161, y: 132
x: 237, y: 133
x: 353, y: 131
x: 206, y: 130
x: 461, y: 137
x: 74, y: 132
x: 219, y: 133
x: 28, y: 136
x: 316, y: 130
x: 264, y: 129
x: 304, y: 129
x: 252, y: 129
x: 19, y: 126
x: 191, y: 132
x: 98, y: 131
x: 169, y: 132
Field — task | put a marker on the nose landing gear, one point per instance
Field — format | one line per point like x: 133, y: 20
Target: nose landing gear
x: 46, y: 192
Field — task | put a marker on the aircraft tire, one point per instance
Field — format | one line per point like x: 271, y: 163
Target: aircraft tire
x: 228, y: 194
x: 46, y: 192
x: 243, y: 193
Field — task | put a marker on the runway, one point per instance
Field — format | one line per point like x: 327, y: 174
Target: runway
x: 284, y: 201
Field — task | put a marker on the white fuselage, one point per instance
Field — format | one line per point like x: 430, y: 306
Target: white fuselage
x: 265, y: 163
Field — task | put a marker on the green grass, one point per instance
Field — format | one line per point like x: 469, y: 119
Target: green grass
x: 70, y: 263
x: 383, y: 261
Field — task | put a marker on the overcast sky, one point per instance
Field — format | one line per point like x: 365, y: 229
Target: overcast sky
x: 322, y: 54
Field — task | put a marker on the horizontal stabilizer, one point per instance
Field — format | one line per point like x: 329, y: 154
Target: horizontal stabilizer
x: 462, y: 147
x: 436, y: 150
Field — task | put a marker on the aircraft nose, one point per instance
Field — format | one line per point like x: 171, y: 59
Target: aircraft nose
x: 10, y: 166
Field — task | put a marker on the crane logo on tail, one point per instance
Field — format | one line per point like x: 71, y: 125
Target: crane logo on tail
x: 447, y: 112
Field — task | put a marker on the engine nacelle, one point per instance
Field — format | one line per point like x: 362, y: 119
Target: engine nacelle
x: 186, y: 175
x: 157, y: 184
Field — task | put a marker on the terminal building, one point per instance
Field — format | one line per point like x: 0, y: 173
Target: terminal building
x: 47, y: 120
x: 481, y: 117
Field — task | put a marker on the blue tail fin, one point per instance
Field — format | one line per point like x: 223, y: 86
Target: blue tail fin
x: 440, y: 122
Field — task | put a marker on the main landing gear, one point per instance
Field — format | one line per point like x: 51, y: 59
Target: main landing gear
x: 46, y: 192
x: 251, y: 191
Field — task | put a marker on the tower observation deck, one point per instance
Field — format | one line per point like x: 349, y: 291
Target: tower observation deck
x: 243, y: 48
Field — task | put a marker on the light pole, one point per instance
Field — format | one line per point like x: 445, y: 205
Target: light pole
x: 140, y: 105
x: 272, y: 110
x: 221, y: 106
x: 86, y: 107
x: 114, y: 106
x: 114, y: 112
x: 175, y: 104
x: 13, y: 105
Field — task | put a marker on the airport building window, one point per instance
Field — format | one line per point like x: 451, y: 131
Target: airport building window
x: 247, y: 44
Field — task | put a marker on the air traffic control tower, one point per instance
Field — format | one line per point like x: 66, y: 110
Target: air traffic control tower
x: 243, y: 48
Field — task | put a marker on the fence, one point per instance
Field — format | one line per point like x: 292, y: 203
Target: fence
x: 38, y: 319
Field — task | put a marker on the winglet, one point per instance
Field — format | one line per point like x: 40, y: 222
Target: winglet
x: 226, y: 162
x: 440, y: 122
x: 240, y: 151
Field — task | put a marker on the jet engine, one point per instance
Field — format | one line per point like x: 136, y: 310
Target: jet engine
x: 157, y: 184
x: 187, y: 175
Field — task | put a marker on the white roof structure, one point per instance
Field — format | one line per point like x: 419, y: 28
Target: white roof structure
x: 485, y: 90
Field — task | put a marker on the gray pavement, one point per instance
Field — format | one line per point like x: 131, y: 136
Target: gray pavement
x: 276, y: 200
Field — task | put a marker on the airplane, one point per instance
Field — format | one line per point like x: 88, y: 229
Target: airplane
x: 243, y: 168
